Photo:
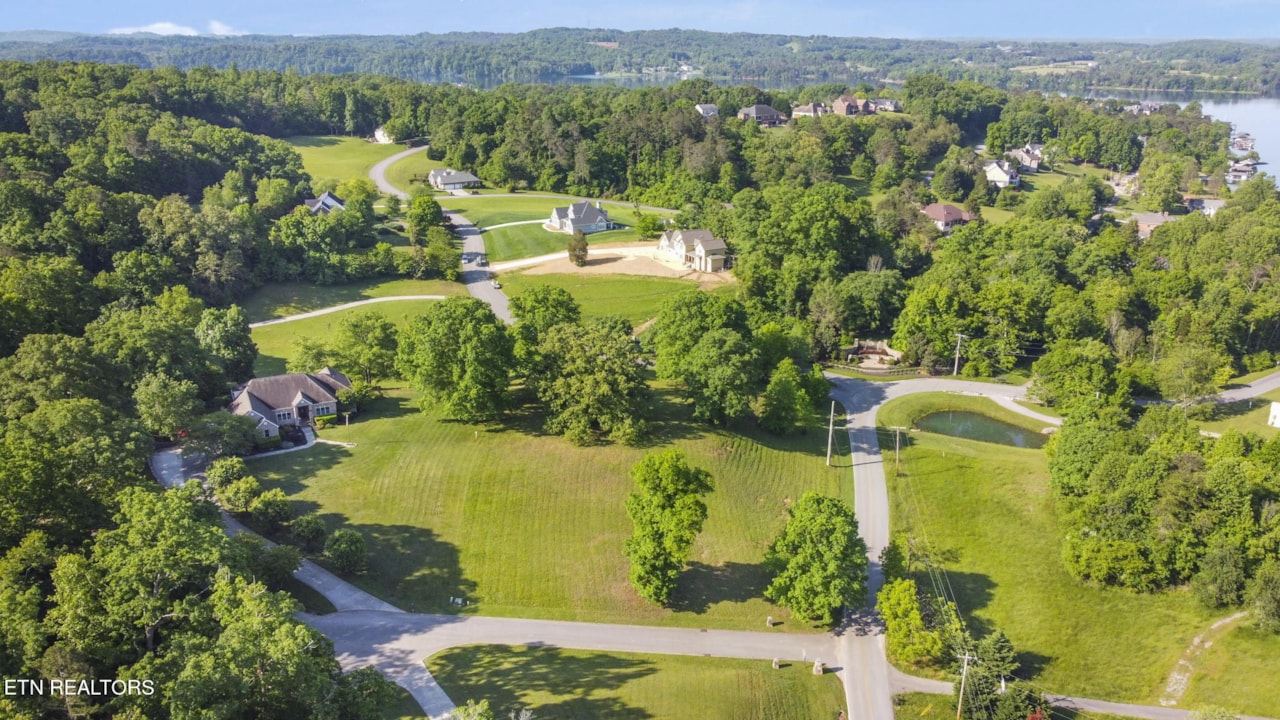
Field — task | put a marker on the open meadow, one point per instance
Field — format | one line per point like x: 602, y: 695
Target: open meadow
x: 283, y: 299
x: 988, y: 511
x: 522, y: 241
x: 577, y: 685
x: 336, y: 157
x: 527, y: 525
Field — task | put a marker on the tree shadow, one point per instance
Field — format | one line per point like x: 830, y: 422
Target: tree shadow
x: 291, y: 471
x: 413, y: 568
x: 1230, y: 410
x: 702, y: 585
x: 312, y: 141
x: 569, y: 685
x: 267, y: 365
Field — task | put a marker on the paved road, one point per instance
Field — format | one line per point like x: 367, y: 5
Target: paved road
x: 344, y: 306
x: 378, y: 173
x: 393, y: 642
x: 868, y: 689
x: 1253, y: 389
x: 474, y: 275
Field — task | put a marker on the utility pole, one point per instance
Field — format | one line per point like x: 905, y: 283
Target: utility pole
x: 831, y: 431
x: 897, y: 436
x: 959, y: 339
x: 963, y: 674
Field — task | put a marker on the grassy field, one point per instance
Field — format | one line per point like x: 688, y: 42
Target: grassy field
x: 339, y: 158
x: 412, y: 170
x: 522, y: 241
x: 575, y: 685
x: 988, y: 510
x: 635, y: 297
x: 275, y: 342
x: 527, y: 525
x: 284, y: 299
x: 495, y: 210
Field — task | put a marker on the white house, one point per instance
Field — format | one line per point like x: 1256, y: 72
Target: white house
x: 707, y: 110
x: 1001, y: 174
x: 450, y: 179
x: 381, y: 137
x: 325, y: 204
x: 294, y: 399
x: 696, y: 249
x: 580, y: 216
x: 1274, y: 419
x: 810, y: 110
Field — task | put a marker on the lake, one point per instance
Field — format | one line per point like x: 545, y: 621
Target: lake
x: 1258, y: 116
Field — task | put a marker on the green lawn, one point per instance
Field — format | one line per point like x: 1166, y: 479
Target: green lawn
x: 339, y: 158
x: 1244, y: 415
x: 284, y: 299
x: 989, y: 511
x: 576, y: 685
x: 275, y: 342
x: 905, y: 411
x: 485, y: 211
x: 634, y: 297
x: 405, y: 173
x: 527, y: 525
x: 522, y: 241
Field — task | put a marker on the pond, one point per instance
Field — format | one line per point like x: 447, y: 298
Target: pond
x: 974, y: 426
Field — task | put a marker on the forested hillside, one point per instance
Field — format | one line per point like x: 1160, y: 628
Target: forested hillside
x: 770, y: 60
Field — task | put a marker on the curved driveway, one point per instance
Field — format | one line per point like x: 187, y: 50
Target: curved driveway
x: 344, y: 306
x: 378, y: 173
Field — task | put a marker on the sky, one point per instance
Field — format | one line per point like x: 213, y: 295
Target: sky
x: 1024, y: 19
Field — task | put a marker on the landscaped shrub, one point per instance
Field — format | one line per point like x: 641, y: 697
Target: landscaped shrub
x: 271, y: 508
x: 326, y: 421
x: 309, y: 530
x: 239, y: 495
x: 275, y: 565
x: 224, y: 471
x: 269, y: 443
x: 345, y: 549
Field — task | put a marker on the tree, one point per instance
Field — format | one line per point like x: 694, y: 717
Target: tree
x: 685, y: 318
x: 309, y: 355
x: 474, y: 711
x: 459, y: 356
x: 345, y: 549
x: 424, y: 212
x: 667, y: 512
x: 591, y: 380
x: 720, y: 375
x: 225, y: 335
x: 55, y: 367
x: 220, y: 433
x: 167, y: 406
x: 578, y: 248
x: 275, y: 565
x: 818, y: 562
x: 1191, y: 372
x: 536, y: 310
x: 1264, y: 596
x: 1220, y: 581
x: 1160, y: 190
x: 784, y: 403
x: 117, y: 598
x: 224, y: 471
x: 1073, y: 372
x: 908, y: 639
x: 309, y: 530
x: 367, y: 343
x: 648, y: 225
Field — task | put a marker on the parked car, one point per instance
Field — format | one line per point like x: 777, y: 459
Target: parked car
x: 494, y: 282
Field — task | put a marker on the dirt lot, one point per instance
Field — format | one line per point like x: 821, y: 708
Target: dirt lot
x: 629, y: 265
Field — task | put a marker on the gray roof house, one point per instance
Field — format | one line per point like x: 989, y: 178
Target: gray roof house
x: 325, y: 204
x: 810, y: 110
x: 450, y: 179
x: 696, y: 249
x: 294, y: 399
x: 762, y: 114
x: 707, y: 110
x: 580, y: 216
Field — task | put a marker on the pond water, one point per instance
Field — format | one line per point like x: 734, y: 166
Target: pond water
x: 974, y: 426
